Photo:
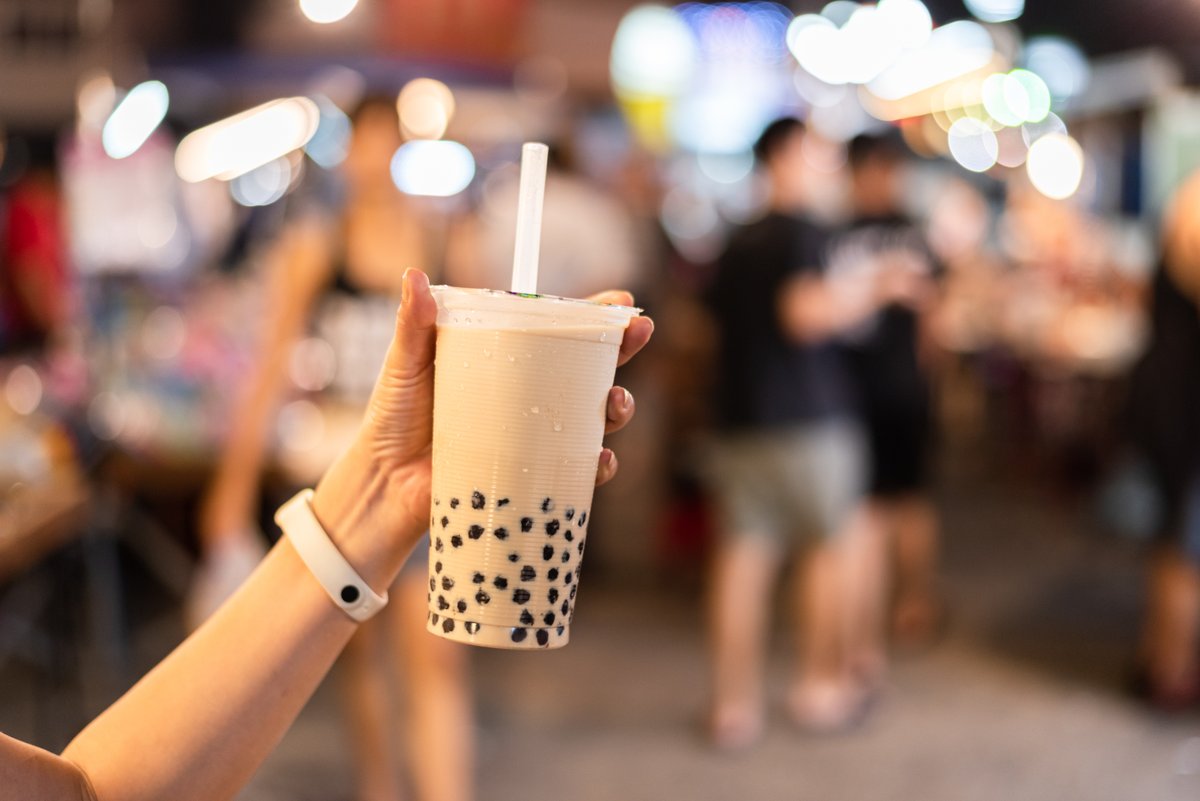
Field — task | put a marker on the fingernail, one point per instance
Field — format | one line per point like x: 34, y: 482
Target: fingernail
x: 404, y: 287
x: 606, y: 456
x: 627, y: 401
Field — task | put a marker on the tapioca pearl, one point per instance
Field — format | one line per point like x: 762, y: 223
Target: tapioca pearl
x: 548, y: 618
x: 514, y: 557
x: 456, y: 540
x: 548, y: 553
x: 526, y: 524
x: 483, y: 598
x: 471, y: 627
x: 566, y: 556
x: 518, y: 635
x: 454, y: 503
x: 445, y: 521
x: 432, y: 521
x: 582, y: 519
x: 569, y: 536
x: 552, y: 574
x: 560, y: 630
x: 520, y: 595
x: 478, y: 578
x: 528, y: 573
x: 570, y: 513
x: 443, y: 604
x: 543, y: 636
x: 526, y: 617
x: 432, y: 584
x: 448, y: 625
x: 552, y: 595
x: 437, y: 567
x: 447, y: 583
x: 434, y: 617
x: 501, y: 533
x: 581, y: 542
x: 438, y: 545
x: 569, y: 577
x: 566, y: 606
x: 578, y: 570
x: 547, y: 505
x: 500, y: 583
x: 502, y: 503
x: 477, y: 500
x: 552, y: 527
x: 475, y: 531
x: 437, y: 501
x: 574, y: 589
x: 461, y: 606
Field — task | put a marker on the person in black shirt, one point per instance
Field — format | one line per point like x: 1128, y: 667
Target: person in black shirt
x: 787, y: 465
x: 888, y: 360
x: 1166, y: 416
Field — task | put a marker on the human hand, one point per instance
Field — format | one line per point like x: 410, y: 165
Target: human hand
x: 375, y: 500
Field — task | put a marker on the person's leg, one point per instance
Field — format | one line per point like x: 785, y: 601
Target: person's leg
x: 440, y: 722
x: 743, y: 574
x: 1172, y: 624
x: 367, y: 707
x: 867, y: 580
x: 834, y: 594
x: 913, y: 524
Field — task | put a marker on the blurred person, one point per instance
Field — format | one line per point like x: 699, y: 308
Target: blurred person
x: 889, y: 356
x: 338, y: 271
x: 198, y: 725
x: 1166, y: 414
x: 788, y: 462
x: 35, y: 281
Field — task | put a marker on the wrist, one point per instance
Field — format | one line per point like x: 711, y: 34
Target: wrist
x: 350, y: 503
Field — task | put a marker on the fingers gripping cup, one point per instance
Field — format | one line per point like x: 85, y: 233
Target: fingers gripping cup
x: 520, y: 389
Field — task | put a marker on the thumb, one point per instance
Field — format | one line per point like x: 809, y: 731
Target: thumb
x: 411, y: 351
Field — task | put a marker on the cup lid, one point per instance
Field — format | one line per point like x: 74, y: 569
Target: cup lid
x: 465, y: 306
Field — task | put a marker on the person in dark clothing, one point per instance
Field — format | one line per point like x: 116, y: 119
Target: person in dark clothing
x: 888, y: 364
x: 1166, y: 412
x: 787, y: 461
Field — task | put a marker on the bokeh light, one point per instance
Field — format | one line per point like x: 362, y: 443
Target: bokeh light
x: 653, y: 53
x: 134, y: 119
x: 426, y: 107
x: 23, y: 389
x: 164, y: 333
x: 263, y: 185
x: 236, y: 145
x: 973, y: 144
x: 953, y: 50
x: 313, y: 364
x: 1055, y: 165
x: 327, y: 11
x: 1033, y: 131
x: 1061, y: 63
x: 726, y: 168
x: 331, y: 141
x: 1016, y: 97
x: 432, y: 168
x: 996, y: 10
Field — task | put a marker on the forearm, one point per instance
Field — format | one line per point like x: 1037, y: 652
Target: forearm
x: 199, y: 725
x: 812, y: 310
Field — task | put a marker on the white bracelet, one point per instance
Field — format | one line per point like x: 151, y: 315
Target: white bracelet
x: 332, y: 571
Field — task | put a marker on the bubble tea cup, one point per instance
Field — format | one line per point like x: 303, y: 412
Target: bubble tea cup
x: 520, y: 389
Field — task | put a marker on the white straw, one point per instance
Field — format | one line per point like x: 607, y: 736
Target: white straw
x: 529, y: 218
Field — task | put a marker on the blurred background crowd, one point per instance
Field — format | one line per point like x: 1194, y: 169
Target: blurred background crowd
x: 205, y: 208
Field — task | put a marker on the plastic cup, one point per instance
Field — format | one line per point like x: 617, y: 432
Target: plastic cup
x: 520, y: 388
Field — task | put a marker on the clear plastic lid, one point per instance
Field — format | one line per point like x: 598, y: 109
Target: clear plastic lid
x: 494, y: 308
